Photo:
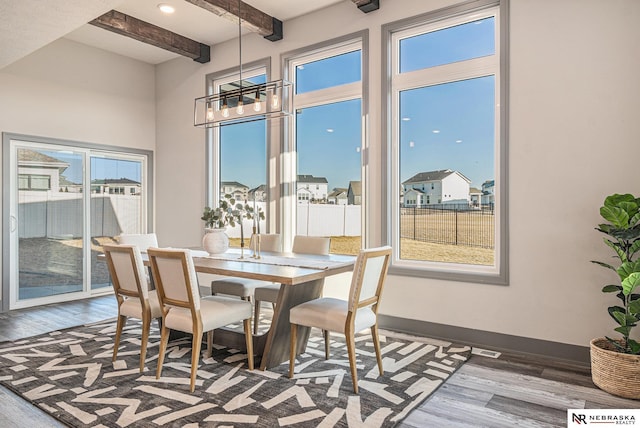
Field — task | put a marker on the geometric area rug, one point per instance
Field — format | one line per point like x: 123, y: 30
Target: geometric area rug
x: 69, y: 374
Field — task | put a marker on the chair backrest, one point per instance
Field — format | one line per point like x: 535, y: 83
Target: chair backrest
x: 175, y: 277
x: 127, y: 270
x: 368, y: 279
x: 269, y: 242
x: 142, y: 240
x: 311, y: 244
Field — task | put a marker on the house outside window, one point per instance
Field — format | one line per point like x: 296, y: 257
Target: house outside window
x: 446, y: 118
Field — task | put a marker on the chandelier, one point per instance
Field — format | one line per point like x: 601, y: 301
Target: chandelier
x: 243, y: 101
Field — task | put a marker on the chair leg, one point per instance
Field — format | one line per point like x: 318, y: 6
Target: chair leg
x: 256, y: 316
x: 326, y: 344
x: 146, y: 326
x: 351, y: 349
x: 195, y: 356
x: 292, y: 349
x: 122, y: 320
x: 209, y: 343
x: 164, y: 339
x: 249, y: 340
x: 376, y: 345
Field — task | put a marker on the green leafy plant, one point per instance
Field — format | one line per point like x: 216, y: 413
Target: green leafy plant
x: 228, y: 213
x: 622, y: 213
x: 225, y: 214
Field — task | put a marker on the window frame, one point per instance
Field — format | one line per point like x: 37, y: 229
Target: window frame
x: 395, y: 83
x: 212, y: 153
x: 335, y: 94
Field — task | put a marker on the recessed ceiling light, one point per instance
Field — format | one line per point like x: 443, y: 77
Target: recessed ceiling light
x: 458, y: 141
x: 411, y: 144
x: 406, y: 119
x: 329, y: 130
x: 436, y: 131
x: 166, y: 8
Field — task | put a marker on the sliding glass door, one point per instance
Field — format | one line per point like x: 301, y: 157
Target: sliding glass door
x: 65, y: 203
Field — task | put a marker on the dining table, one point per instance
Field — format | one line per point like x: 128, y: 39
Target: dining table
x: 301, y: 278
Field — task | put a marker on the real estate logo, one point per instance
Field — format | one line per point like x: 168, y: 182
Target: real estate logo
x: 602, y: 417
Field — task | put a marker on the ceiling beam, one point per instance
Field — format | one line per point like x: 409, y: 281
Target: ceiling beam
x: 253, y: 19
x: 129, y: 26
x: 367, y: 5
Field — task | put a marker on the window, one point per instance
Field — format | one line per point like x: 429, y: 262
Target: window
x: 327, y: 131
x: 238, y: 155
x: 445, y: 117
x: 34, y: 182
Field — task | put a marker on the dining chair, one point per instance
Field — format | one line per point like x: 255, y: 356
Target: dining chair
x: 184, y: 310
x: 350, y: 316
x: 135, y: 300
x: 142, y: 240
x: 269, y: 293
x: 243, y: 287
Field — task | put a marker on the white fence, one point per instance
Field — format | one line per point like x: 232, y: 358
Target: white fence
x: 316, y: 220
x: 60, y: 215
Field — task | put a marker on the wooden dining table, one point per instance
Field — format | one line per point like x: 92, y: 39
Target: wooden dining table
x: 301, y: 278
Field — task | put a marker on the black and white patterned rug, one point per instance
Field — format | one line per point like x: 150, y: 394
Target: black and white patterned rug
x: 69, y: 374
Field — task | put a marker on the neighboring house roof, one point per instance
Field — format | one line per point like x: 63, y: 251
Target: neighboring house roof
x: 311, y: 179
x: 338, y: 191
x: 422, y: 177
x: 115, y: 181
x: 488, y: 183
x: 474, y: 190
x: 65, y: 182
x: 355, y: 187
x: 28, y: 157
x: 260, y: 188
x: 233, y: 183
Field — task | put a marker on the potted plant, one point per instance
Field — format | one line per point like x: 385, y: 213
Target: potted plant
x: 216, y: 220
x: 615, y: 363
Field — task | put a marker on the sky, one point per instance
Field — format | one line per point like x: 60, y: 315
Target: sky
x: 101, y: 167
x: 447, y: 126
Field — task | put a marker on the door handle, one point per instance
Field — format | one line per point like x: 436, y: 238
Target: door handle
x: 14, y: 224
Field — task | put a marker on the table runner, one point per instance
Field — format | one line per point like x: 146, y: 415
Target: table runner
x: 307, y: 263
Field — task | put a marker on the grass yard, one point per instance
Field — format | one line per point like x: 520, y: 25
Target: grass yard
x: 413, y: 250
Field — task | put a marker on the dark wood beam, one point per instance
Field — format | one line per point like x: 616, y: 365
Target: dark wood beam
x: 254, y: 19
x: 367, y: 5
x: 129, y: 26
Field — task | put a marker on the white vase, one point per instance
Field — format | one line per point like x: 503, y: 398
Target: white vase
x: 215, y: 241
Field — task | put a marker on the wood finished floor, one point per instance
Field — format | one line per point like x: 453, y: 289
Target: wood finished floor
x: 512, y: 390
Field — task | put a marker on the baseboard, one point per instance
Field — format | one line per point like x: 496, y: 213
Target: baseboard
x: 487, y: 339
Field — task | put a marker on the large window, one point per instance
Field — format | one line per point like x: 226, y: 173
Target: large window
x: 328, y: 143
x: 446, y: 151
x: 239, y: 156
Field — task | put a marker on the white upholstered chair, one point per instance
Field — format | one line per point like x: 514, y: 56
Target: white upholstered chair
x: 243, y: 287
x: 141, y: 240
x: 347, y: 316
x: 184, y: 310
x: 269, y: 293
x: 132, y: 292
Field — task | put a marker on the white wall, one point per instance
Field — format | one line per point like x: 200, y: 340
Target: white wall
x: 71, y: 91
x: 573, y: 128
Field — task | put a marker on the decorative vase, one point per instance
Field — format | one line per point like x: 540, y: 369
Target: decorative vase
x: 615, y: 372
x: 215, y: 241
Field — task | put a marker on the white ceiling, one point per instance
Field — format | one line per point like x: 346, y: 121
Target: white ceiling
x: 28, y: 25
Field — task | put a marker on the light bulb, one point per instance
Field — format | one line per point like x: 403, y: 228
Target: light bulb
x: 225, y: 108
x: 274, y: 101
x: 256, y: 102
x: 209, y: 113
x: 240, y: 107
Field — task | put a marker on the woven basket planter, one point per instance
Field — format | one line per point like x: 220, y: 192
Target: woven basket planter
x: 615, y: 372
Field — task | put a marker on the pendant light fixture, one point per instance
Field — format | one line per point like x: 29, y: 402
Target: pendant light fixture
x: 264, y: 101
